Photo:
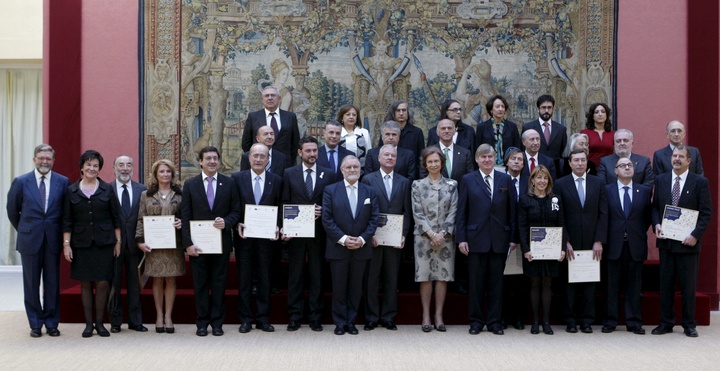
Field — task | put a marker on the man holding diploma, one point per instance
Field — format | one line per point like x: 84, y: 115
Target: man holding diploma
x: 209, y: 196
x: 252, y: 255
x: 685, y: 189
x: 393, y: 195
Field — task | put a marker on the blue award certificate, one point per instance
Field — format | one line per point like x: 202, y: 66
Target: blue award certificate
x: 546, y: 243
x: 299, y: 221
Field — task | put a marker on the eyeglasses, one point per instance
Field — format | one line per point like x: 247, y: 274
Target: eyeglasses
x: 456, y: 110
x: 628, y: 165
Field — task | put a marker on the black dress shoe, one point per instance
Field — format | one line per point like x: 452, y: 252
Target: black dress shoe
x: 519, y: 325
x: 535, y: 328
x: 390, y: 325
x: 101, y: 330
x: 292, y: 326
x: 606, y: 329
x: 586, y: 329
x: 661, y: 330
x: 474, y: 330
x: 88, y: 331
x: 53, y: 332
x: 36, y: 332
x: 202, y: 331
x: 245, y: 328
x: 316, y: 326
x: 548, y: 330
x: 218, y: 331
x: 637, y: 330
x: 691, y: 332
x: 498, y: 330
x: 115, y: 329
x: 339, y: 330
x: 265, y: 327
x: 370, y: 326
x: 170, y: 330
x: 139, y: 328
x: 571, y: 329
x: 160, y: 330
x: 351, y: 329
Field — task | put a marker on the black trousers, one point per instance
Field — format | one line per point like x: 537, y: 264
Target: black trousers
x: 347, y: 282
x: 624, y: 274
x: 253, y: 261
x: 485, y: 276
x: 684, y: 267
x: 127, y: 263
x: 383, y: 268
x: 209, y: 274
x: 580, y: 311
x: 315, y: 252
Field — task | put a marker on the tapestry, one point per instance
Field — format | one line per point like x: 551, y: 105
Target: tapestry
x: 205, y: 62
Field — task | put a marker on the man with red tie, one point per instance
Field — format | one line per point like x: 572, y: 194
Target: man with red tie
x: 531, y: 142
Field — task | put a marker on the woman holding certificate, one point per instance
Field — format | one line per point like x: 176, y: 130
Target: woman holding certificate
x: 540, y: 208
x: 163, y: 197
x: 434, y: 203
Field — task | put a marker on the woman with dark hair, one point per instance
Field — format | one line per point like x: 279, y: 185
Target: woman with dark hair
x: 464, y: 134
x: 540, y: 208
x: 498, y: 131
x: 163, y: 197
x: 599, y: 131
x: 353, y: 136
x: 91, y: 238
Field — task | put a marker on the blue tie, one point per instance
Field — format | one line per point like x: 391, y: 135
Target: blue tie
x: 331, y: 160
x: 256, y: 190
x: 627, y: 203
x: 309, y: 183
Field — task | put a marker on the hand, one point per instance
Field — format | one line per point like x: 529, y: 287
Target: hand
x: 437, y: 239
x: 513, y: 245
x: 240, y: 228
x: 116, y: 251
x: 658, y: 232
x: 463, y: 246
x: 528, y: 256
x: 402, y: 242
x: 562, y: 256
x: 67, y: 251
x: 597, y: 251
x: 353, y: 243
x: 277, y: 234
x: 219, y: 223
x: 690, y: 240
x: 193, y: 250
x: 177, y: 224
x: 374, y: 242
x: 144, y: 247
x: 570, y: 252
x: 318, y: 211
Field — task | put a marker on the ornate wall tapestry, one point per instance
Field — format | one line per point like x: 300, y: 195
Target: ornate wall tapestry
x: 204, y: 63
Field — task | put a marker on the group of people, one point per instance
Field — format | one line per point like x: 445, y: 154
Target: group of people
x: 476, y: 192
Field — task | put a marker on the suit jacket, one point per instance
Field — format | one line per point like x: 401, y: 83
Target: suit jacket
x: 272, y: 189
x: 294, y: 191
x: 463, y: 163
x: 584, y: 224
x: 338, y: 220
x: 94, y: 221
x: 28, y: 217
x: 662, y: 162
x: 643, y: 171
x: 636, y: 225
x: 485, y: 223
x: 288, y: 139
x: 322, y: 159
x: 465, y: 136
x: 542, y: 160
x: 694, y: 195
x: 510, y: 136
x: 277, y: 166
x: 399, y: 200
x: 195, y: 207
x: 128, y: 223
x: 405, y: 165
x: 558, y: 138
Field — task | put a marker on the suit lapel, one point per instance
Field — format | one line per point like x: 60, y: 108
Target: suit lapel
x: 480, y: 179
x: 380, y: 184
x: 687, y: 189
x: 267, y: 191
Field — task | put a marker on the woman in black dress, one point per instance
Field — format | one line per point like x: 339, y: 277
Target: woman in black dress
x: 91, y: 234
x: 540, y: 208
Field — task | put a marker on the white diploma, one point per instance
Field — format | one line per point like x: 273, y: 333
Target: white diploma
x: 583, y: 268
x: 205, y: 236
x: 260, y: 221
x: 389, y: 230
x: 159, y: 231
x: 546, y: 243
x: 299, y: 221
x: 678, y: 222
x: 513, y: 264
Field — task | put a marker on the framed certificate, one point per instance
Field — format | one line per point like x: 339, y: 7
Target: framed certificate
x: 260, y: 221
x: 583, y: 268
x: 389, y: 230
x: 546, y: 243
x: 299, y: 221
x: 159, y: 231
x: 513, y: 264
x: 205, y: 236
x: 678, y: 222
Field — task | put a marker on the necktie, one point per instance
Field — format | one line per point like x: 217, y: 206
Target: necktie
x: 267, y: 167
x: 210, y: 192
x: 581, y: 191
x: 546, y: 132
x: 487, y: 184
x: 43, y: 196
x: 125, y: 200
x: 517, y: 189
x: 532, y: 164
x: 353, y: 200
x: 676, y: 191
x: 627, y: 203
x: 388, y: 187
x: 448, y: 164
x: 274, y: 125
x: 308, y: 182
x: 256, y: 190
x: 331, y: 160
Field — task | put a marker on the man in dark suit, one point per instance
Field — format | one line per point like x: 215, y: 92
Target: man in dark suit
x: 586, y: 217
x: 623, y: 148
x: 349, y: 215
x: 128, y: 193
x: 626, y: 250
x: 531, y: 142
x: 304, y: 184
x: 458, y: 159
x: 210, y: 196
x: 662, y: 158
x: 411, y: 136
x: 485, y: 231
x: 393, y: 196
x: 406, y: 164
x: 679, y: 259
x: 284, y: 123
x: 277, y: 162
x: 515, y: 287
x: 35, y: 210
x: 553, y: 135
x: 331, y: 154
x: 252, y: 255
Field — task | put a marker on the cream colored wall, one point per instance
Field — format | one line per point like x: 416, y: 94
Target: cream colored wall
x: 21, y: 30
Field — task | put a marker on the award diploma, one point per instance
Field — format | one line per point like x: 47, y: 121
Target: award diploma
x: 260, y: 221
x: 678, y: 222
x: 513, y: 264
x: 583, y: 268
x: 159, y: 231
x: 389, y: 230
x: 205, y: 236
x: 545, y: 243
x: 299, y: 221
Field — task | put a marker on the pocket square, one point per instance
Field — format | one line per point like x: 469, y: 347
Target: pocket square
x: 367, y: 201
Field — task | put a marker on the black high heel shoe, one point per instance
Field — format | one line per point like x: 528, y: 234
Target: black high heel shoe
x: 101, y: 330
x: 547, y: 329
x: 170, y: 330
x: 160, y: 330
x: 535, y: 328
x: 88, y: 331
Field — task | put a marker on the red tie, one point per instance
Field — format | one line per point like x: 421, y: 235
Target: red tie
x: 546, y: 132
x: 532, y: 164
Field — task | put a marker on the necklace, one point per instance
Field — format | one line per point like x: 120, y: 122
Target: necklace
x: 164, y: 196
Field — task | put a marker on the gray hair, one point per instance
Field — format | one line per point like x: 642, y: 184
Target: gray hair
x: 390, y: 125
x: 571, y: 143
x: 618, y: 131
x: 44, y: 148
